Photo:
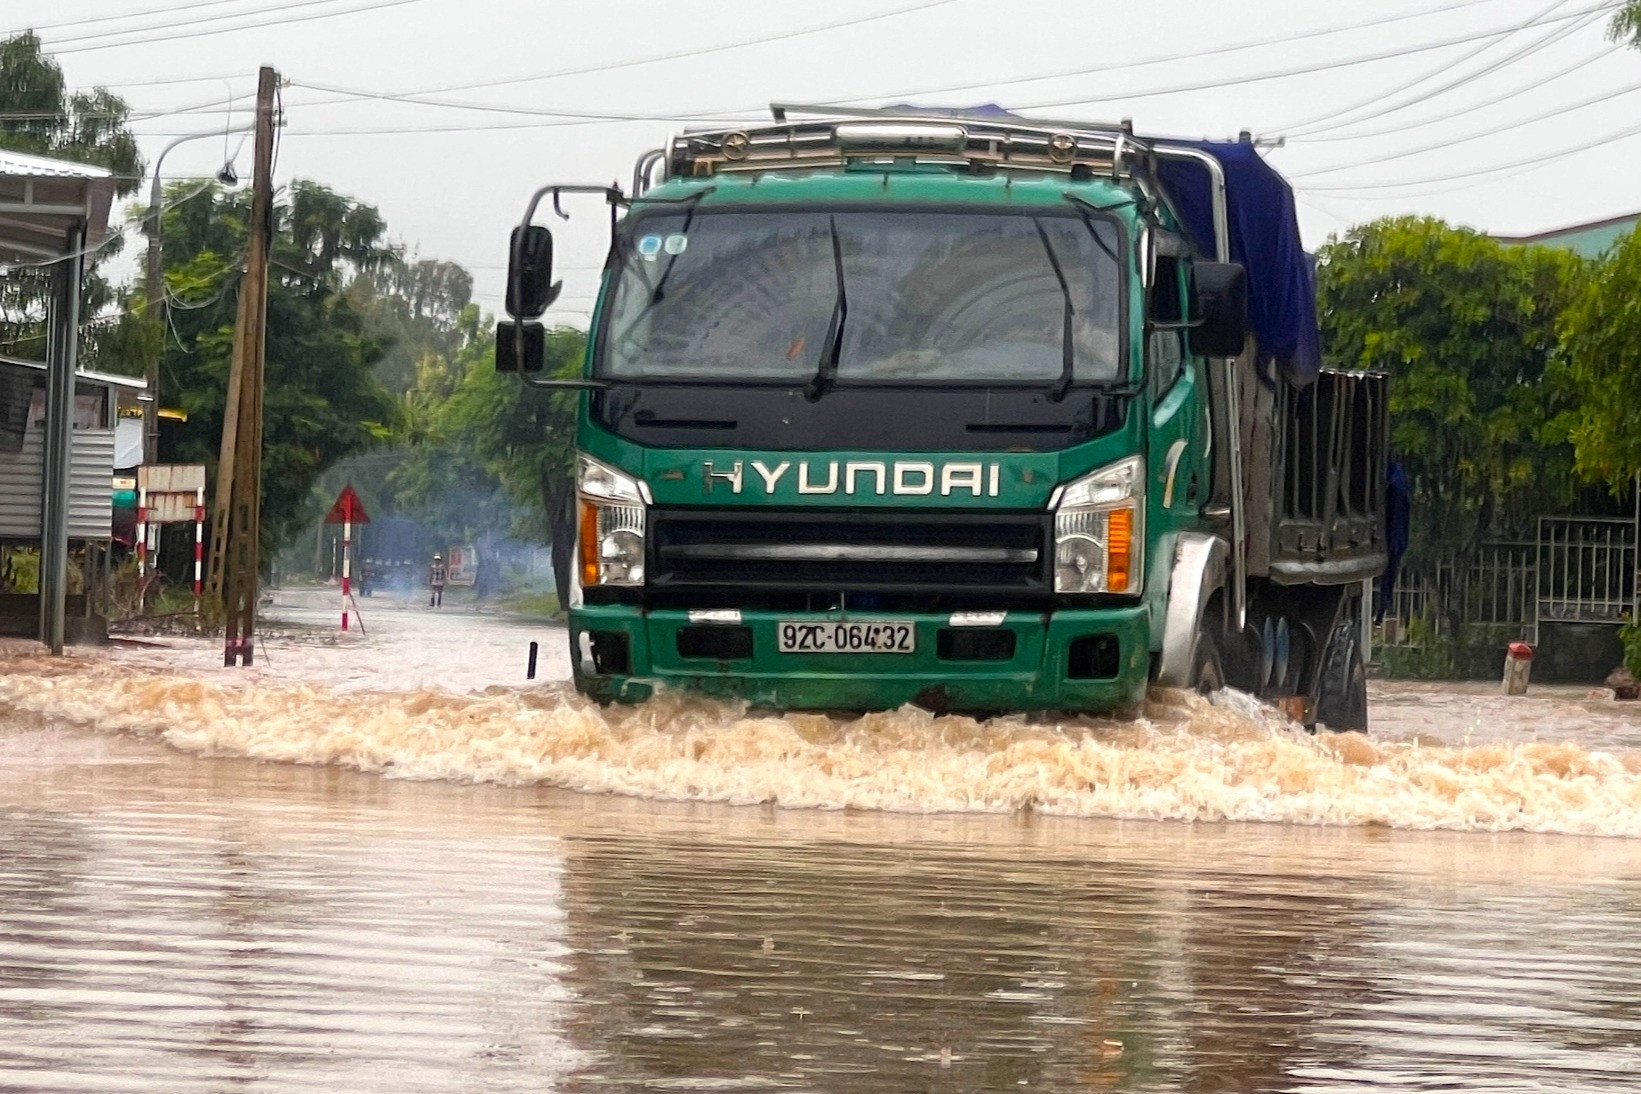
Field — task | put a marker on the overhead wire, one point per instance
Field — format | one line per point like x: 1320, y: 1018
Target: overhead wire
x: 1538, y: 159
x: 168, y: 9
x: 1327, y: 122
x: 1315, y: 66
x: 171, y: 36
x: 118, y: 233
x: 674, y: 55
x: 1514, y: 123
x: 1538, y: 82
x: 568, y: 117
x: 1187, y: 55
x: 420, y: 96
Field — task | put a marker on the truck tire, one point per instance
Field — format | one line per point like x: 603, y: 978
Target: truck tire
x: 1341, y: 701
x: 1207, y: 671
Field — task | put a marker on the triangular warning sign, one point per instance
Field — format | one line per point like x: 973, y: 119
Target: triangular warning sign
x: 348, y: 507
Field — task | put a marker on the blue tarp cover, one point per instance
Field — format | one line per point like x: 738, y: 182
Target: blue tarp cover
x: 1264, y: 232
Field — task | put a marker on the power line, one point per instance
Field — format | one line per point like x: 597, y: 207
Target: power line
x: 657, y: 58
x: 109, y: 238
x: 1188, y: 55
x: 1606, y: 96
x: 1318, y: 66
x: 1538, y: 159
x: 169, y: 9
x: 567, y: 118
x: 419, y: 96
x: 1538, y: 82
x: 169, y: 36
x: 1313, y: 124
x: 192, y: 21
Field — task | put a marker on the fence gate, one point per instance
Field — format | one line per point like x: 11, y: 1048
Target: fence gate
x: 1586, y: 570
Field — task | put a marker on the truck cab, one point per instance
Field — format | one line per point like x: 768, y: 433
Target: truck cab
x: 969, y: 412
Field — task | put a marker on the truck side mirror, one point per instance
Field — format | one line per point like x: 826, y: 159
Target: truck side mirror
x: 511, y: 356
x: 1219, y: 292
x: 530, y: 287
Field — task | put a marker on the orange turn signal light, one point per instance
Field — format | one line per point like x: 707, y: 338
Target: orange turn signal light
x: 589, y: 543
x: 1119, y: 564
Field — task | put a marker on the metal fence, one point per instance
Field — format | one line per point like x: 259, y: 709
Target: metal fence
x: 1586, y: 569
x: 1578, y: 570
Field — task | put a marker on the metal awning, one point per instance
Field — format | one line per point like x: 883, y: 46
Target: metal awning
x: 53, y: 212
x: 42, y: 200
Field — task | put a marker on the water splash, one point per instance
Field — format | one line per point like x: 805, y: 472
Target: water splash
x: 1185, y: 759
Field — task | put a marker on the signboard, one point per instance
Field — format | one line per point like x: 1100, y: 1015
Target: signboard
x: 347, y: 508
x: 464, y: 564
x: 171, y: 491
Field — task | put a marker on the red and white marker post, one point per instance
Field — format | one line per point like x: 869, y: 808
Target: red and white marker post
x: 347, y: 553
x: 142, y: 535
x: 347, y: 511
x: 199, y: 544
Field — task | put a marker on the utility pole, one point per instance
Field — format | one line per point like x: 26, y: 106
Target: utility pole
x: 236, y: 516
x: 155, y: 310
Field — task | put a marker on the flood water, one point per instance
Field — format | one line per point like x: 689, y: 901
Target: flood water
x: 387, y: 864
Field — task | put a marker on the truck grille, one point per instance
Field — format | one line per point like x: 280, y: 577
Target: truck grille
x: 856, y: 551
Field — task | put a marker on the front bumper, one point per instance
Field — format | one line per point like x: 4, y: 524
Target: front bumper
x: 1051, y: 667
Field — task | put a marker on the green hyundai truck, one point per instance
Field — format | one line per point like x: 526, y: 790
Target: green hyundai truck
x: 963, y: 410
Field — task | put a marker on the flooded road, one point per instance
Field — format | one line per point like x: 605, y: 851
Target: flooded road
x: 386, y: 865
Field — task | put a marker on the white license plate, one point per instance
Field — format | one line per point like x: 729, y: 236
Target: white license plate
x: 864, y: 636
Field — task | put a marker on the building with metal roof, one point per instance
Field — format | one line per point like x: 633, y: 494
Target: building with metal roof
x: 52, y: 214
x: 1591, y: 240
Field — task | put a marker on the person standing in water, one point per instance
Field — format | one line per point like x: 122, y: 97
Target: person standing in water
x: 436, y: 578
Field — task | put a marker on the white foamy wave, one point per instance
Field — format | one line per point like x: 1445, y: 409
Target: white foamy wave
x: 1186, y: 759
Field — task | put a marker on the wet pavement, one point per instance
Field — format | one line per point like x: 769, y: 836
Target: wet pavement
x: 384, y: 864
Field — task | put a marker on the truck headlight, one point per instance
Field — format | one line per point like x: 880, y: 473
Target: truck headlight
x: 611, y: 526
x: 1099, y: 526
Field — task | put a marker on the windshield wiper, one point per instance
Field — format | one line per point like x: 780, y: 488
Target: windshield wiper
x: 1068, y: 356
x: 826, y: 373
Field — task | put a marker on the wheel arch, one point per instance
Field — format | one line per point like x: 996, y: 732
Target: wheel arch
x: 1198, y: 572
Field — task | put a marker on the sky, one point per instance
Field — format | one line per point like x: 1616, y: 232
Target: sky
x: 1511, y: 116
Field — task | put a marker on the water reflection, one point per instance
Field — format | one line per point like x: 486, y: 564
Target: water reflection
x: 170, y: 923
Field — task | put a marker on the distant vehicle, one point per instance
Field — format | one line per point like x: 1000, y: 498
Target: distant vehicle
x: 962, y: 410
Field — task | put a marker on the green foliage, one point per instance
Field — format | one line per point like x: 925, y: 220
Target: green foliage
x: 1626, y: 24
x: 1473, y: 652
x: 1467, y: 329
x: 416, y: 310
x: 1601, y: 334
x: 40, y: 116
x: 491, y: 447
x: 322, y: 400
x: 45, y: 119
x: 1630, y: 637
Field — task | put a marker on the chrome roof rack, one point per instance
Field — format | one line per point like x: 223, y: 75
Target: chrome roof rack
x: 834, y: 136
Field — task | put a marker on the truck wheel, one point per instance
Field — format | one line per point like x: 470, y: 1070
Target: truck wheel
x: 1207, y: 673
x: 1341, y: 703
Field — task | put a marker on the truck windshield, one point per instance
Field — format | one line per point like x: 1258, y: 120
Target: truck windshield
x: 932, y: 297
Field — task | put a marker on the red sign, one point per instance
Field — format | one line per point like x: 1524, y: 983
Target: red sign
x: 348, y: 507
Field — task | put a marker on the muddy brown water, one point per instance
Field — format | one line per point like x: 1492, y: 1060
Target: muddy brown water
x: 388, y: 865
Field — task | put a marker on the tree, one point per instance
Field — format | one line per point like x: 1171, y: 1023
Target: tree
x: 1466, y: 327
x: 496, y: 441
x: 39, y: 116
x: 1627, y: 24
x: 1601, y: 363
x: 322, y: 399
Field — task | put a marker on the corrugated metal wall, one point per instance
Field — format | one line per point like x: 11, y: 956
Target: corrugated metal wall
x: 91, y: 490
